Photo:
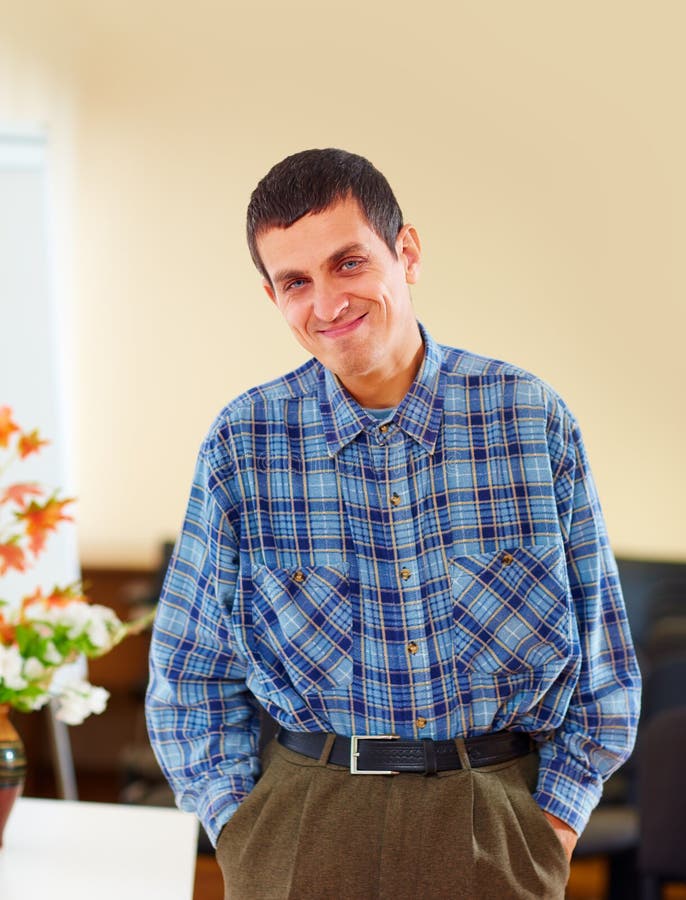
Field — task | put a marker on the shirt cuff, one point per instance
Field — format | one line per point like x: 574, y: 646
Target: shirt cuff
x: 219, y: 803
x: 566, y: 788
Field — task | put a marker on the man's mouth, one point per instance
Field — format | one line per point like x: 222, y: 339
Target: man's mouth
x: 343, y: 328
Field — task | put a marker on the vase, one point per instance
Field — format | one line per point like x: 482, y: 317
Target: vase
x: 12, y: 766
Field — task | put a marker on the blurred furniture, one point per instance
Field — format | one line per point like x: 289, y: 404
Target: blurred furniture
x: 62, y: 758
x: 655, y: 596
x: 662, y: 802
x: 666, y: 621
x: 652, y: 590
x: 664, y: 687
x: 77, y: 851
x: 613, y: 833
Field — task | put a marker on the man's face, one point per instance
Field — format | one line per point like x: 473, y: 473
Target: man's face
x: 344, y: 295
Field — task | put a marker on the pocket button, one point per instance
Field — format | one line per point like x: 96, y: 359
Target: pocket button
x: 298, y: 576
x: 507, y: 559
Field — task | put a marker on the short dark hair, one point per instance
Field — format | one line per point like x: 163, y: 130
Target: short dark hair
x: 312, y: 181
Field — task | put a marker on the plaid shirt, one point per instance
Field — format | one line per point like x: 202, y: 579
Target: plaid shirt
x: 443, y: 573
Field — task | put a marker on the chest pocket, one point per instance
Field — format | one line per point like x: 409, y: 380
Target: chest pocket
x: 510, y: 609
x: 302, y: 620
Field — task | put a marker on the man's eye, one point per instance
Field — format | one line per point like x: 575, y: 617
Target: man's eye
x: 295, y: 284
x: 350, y: 264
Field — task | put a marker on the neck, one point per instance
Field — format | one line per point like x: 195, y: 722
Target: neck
x: 379, y: 390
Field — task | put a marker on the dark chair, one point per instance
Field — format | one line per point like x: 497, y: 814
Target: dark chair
x: 666, y: 621
x: 662, y: 802
x: 664, y: 686
x: 667, y: 598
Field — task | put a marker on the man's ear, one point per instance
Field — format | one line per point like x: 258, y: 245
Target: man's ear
x: 269, y: 290
x: 409, y: 250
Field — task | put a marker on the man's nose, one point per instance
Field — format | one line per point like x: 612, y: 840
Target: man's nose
x: 329, y: 303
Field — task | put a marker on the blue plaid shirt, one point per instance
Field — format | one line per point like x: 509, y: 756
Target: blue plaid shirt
x: 443, y: 573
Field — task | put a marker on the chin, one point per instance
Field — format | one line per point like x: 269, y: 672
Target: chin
x: 351, y: 368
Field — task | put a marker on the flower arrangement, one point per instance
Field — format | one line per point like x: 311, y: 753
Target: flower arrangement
x: 43, y: 633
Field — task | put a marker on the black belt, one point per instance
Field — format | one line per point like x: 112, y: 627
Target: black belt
x: 388, y: 755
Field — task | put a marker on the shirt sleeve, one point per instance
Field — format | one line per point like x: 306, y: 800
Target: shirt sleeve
x: 202, y: 721
x: 599, y: 729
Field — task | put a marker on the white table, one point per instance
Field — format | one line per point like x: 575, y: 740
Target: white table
x: 64, y: 850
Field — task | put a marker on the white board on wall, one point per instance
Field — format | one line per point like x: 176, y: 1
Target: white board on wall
x: 30, y: 363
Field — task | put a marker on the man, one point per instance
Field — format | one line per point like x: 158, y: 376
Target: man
x: 396, y: 539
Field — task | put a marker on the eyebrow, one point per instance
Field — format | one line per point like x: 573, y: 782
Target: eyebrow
x: 292, y: 274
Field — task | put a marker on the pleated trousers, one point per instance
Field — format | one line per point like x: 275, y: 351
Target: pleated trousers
x: 312, y: 831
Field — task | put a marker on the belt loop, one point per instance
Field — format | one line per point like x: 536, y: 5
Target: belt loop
x: 462, y: 753
x: 326, y: 751
x: 430, y: 764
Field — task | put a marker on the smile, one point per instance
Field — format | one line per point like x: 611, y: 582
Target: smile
x: 345, y: 328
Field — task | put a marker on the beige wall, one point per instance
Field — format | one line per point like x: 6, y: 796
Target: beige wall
x: 538, y: 147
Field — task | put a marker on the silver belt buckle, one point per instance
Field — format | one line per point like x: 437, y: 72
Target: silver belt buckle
x: 354, y: 753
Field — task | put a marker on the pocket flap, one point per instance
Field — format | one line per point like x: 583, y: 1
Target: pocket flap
x: 511, y: 608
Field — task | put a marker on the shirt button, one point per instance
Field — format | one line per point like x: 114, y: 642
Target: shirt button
x: 412, y: 648
x: 405, y: 574
x: 395, y: 499
x: 384, y: 428
x: 420, y: 722
x: 298, y: 576
x: 507, y: 559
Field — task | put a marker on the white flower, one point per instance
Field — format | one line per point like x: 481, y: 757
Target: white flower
x: 10, y: 667
x: 43, y: 617
x: 98, y: 623
x: 102, y: 626
x: 40, y: 701
x: 52, y: 654
x: 75, y: 617
x: 79, y: 699
x: 33, y: 669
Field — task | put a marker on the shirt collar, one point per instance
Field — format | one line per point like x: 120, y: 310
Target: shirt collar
x: 418, y: 415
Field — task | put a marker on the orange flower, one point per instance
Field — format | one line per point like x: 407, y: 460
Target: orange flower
x: 30, y: 442
x: 42, y: 519
x: 17, y: 493
x: 36, y: 597
x: 7, y: 426
x: 12, y: 557
x: 58, y: 597
x: 64, y: 596
x: 7, y: 631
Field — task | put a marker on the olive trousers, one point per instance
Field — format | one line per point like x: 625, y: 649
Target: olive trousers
x: 312, y: 831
